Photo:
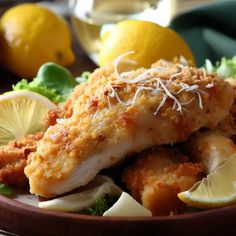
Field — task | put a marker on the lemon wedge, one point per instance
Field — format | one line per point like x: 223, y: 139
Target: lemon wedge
x: 216, y: 190
x: 21, y: 113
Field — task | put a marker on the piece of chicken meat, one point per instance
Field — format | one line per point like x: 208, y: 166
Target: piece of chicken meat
x: 115, y: 114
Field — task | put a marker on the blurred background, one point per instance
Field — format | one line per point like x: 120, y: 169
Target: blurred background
x: 90, y: 20
x: 167, y: 8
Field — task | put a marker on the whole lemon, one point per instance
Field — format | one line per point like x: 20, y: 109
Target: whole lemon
x: 149, y: 41
x: 32, y: 35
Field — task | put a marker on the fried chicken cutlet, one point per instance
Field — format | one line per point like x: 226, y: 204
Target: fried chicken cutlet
x: 13, y: 157
x: 157, y: 176
x: 115, y: 114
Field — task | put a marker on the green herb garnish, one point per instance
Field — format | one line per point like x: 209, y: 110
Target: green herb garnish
x: 52, y: 81
x: 225, y: 68
x: 6, y: 189
x: 101, y: 205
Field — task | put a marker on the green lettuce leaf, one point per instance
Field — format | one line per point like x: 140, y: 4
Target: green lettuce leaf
x: 52, y: 81
x: 225, y: 68
x: 34, y: 86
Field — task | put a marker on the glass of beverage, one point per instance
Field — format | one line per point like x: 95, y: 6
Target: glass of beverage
x: 93, y: 18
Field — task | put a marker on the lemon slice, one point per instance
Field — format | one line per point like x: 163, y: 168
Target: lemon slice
x: 21, y: 113
x: 218, y: 189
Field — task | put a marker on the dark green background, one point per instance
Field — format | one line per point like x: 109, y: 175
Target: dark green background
x: 209, y: 30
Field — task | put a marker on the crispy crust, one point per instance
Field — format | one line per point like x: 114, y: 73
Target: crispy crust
x: 53, y: 115
x: 13, y: 159
x: 98, y: 120
x: 157, y: 177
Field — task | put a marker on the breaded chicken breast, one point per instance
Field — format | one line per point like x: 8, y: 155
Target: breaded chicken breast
x: 115, y: 114
x: 156, y: 178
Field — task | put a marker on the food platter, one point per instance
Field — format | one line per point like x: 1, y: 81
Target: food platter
x: 28, y: 220
x: 25, y: 219
x: 21, y: 216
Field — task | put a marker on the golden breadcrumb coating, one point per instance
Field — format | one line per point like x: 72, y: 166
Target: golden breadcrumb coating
x: 13, y: 158
x: 114, y: 114
x: 53, y: 115
x: 157, y: 176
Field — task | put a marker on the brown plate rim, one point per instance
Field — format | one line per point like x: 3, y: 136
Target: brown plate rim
x: 33, y: 209
x: 29, y: 220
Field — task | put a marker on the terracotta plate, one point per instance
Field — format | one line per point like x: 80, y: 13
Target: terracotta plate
x: 25, y: 219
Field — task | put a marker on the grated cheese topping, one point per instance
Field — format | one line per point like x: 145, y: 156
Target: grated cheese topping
x: 150, y: 81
